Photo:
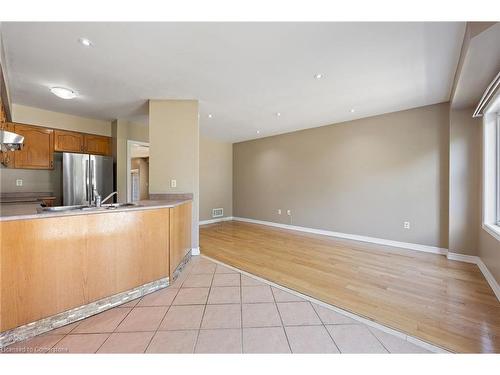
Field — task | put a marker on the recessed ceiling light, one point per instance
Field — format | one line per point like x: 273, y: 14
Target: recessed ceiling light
x: 258, y: 131
x: 278, y: 114
x: 63, y: 92
x: 318, y: 76
x: 210, y: 115
x: 85, y: 42
x: 352, y: 110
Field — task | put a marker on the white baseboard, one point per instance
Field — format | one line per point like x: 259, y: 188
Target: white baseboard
x: 379, y: 241
x: 218, y: 220
x: 195, y: 251
x: 482, y: 267
x: 462, y: 258
x: 489, y: 278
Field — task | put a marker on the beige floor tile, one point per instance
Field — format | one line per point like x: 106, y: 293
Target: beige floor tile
x: 191, y: 296
x: 223, y: 269
x: 208, y: 268
x: 163, y: 297
x: 256, y: 294
x: 219, y: 341
x: 282, y: 296
x: 178, y: 282
x: 329, y: 316
x: 250, y: 281
x: 80, y: 343
x: 105, y: 322
x: 221, y: 316
x: 64, y: 330
x: 396, y: 344
x: 198, y: 280
x: 310, y: 339
x: 298, y: 313
x: 132, y: 303
x: 260, y: 315
x: 126, y: 342
x: 351, y: 338
x: 38, y: 344
x: 226, y: 279
x: 224, y: 294
x: 265, y: 340
x: 183, y: 317
x: 173, y: 342
x: 143, y: 319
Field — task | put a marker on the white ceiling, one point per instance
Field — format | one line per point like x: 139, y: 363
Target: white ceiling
x: 242, y: 73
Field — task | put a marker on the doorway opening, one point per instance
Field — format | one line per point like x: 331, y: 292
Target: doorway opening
x: 137, y: 171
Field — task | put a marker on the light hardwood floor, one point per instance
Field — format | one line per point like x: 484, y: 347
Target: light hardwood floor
x: 444, y: 302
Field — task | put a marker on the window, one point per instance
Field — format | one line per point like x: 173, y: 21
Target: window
x: 491, y: 168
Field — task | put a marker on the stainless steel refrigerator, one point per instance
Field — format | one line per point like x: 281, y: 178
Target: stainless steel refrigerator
x: 83, y: 175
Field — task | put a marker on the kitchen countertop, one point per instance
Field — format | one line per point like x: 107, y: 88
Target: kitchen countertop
x: 141, y: 205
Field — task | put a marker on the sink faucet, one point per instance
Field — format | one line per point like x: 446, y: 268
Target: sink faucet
x: 108, y: 197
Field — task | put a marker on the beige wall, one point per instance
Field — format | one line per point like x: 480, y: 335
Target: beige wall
x: 46, y: 180
x: 362, y: 177
x: 122, y: 131
x: 216, y: 177
x: 174, y: 150
x: 57, y: 120
x: 465, y: 176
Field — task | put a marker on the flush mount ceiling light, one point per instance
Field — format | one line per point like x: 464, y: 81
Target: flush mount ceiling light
x: 278, y: 114
x: 258, y: 131
x: 85, y: 42
x: 210, y: 115
x: 63, y: 92
x: 352, y: 110
x: 318, y: 76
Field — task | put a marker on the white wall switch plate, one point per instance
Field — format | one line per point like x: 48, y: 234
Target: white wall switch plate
x: 19, y: 182
x: 173, y: 183
x: 406, y: 225
x: 279, y: 211
x: 289, y: 212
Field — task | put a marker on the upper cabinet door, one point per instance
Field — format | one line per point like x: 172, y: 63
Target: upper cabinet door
x: 38, y: 149
x: 97, y: 144
x: 68, y: 141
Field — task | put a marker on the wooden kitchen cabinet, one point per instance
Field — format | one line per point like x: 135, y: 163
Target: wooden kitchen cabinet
x: 38, y: 149
x: 97, y: 144
x: 66, y: 141
x: 7, y: 157
x: 180, y: 234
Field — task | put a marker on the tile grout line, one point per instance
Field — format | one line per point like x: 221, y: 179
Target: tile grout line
x: 241, y: 313
x: 281, y: 319
x: 203, y: 315
x: 326, y: 329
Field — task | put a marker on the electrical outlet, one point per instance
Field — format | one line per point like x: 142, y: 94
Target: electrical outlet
x: 19, y: 182
x: 173, y: 183
x: 289, y: 212
x: 279, y: 211
x: 406, y: 225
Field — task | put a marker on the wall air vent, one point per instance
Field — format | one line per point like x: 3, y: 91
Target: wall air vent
x: 217, y: 212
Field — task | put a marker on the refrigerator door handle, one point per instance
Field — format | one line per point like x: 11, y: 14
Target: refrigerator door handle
x: 87, y: 182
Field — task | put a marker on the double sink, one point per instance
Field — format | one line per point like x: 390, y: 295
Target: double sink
x: 112, y: 206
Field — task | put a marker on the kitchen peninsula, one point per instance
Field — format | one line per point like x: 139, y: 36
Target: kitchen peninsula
x: 59, y: 267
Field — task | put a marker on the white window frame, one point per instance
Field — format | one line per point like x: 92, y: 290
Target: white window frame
x: 491, y: 168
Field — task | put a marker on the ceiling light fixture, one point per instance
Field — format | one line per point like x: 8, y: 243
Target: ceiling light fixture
x: 85, y: 42
x: 278, y: 114
x: 258, y: 131
x: 352, y: 110
x: 318, y: 76
x: 63, y: 92
x: 210, y: 115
